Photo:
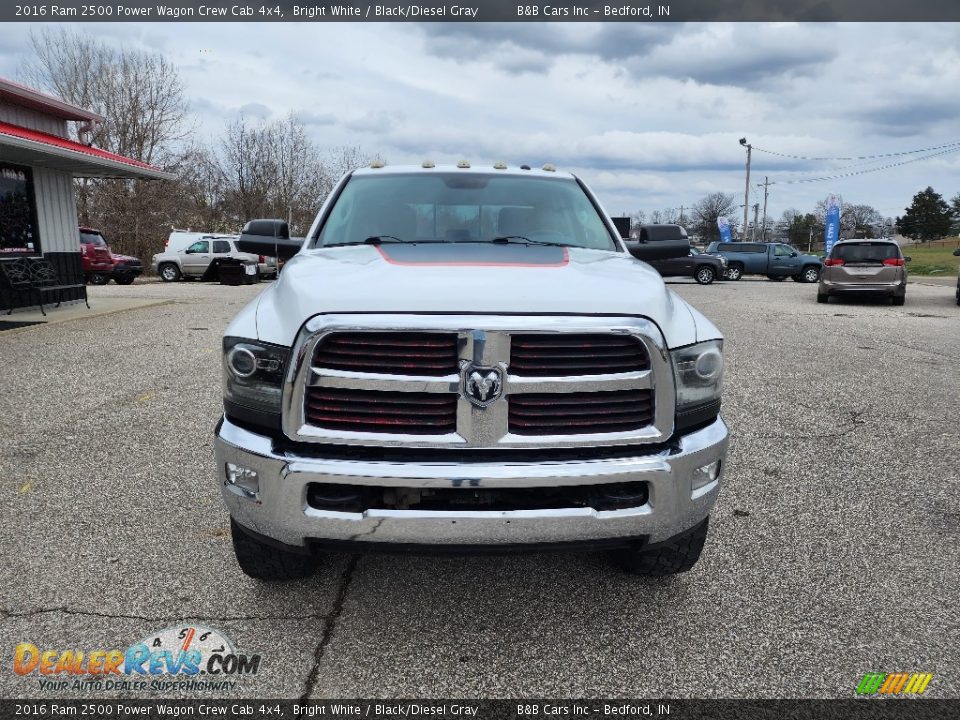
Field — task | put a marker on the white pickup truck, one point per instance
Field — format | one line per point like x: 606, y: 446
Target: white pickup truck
x: 466, y: 359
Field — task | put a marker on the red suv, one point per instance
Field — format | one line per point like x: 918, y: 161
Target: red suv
x: 100, y: 265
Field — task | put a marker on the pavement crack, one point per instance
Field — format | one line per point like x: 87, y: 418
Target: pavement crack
x: 329, y: 624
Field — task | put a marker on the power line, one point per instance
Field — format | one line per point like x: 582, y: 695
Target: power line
x: 859, y: 157
x: 864, y: 172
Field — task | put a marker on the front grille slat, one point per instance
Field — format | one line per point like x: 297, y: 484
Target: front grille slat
x: 392, y: 353
x: 576, y: 354
x: 580, y: 412
x: 415, y: 413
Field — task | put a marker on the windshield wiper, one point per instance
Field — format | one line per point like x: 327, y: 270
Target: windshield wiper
x: 372, y: 240
x: 521, y: 240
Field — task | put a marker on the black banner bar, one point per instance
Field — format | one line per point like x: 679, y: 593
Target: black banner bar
x: 863, y: 709
x: 484, y: 11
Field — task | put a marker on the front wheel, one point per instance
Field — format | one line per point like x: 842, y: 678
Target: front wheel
x: 704, y: 275
x: 810, y: 274
x: 169, y: 272
x: 898, y: 299
x: 265, y: 562
x: 823, y: 297
x: 124, y: 279
x: 678, y: 554
x: 734, y: 272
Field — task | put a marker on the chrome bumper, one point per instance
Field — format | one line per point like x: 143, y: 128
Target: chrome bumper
x: 277, y: 508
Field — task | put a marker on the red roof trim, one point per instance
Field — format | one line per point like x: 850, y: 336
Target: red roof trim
x: 64, y: 144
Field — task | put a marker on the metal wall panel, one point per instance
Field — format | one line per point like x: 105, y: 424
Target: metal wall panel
x: 32, y: 120
x: 56, y: 210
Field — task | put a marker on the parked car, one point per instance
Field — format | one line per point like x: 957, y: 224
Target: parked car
x: 182, y: 239
x: 777, y: 261
x: 865, y: 267
x: 702, y: 267
x: 95, y: 256
x: 465, y: 359
x: 126, y: 269
x: 195, y: 260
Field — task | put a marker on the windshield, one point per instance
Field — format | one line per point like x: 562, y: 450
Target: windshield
x: 452, y: 207
x: 88, y: 238
x: 865, y: 252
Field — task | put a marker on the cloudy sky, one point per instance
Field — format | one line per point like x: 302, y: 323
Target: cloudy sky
x: 649, y: 115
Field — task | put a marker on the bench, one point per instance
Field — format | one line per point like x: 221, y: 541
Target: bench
x: 36, y: 276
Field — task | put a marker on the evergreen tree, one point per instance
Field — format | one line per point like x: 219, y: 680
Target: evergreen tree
x: 927, y: 218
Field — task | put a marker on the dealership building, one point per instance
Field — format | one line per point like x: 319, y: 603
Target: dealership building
x: 38, y: 164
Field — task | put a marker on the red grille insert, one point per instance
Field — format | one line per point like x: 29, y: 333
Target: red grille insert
x: 576, y: 354
x: 580, y: 412
x: 394, y: 353
x: 415, y: 413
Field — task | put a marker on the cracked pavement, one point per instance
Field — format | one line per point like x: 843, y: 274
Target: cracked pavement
x: 833, y: 550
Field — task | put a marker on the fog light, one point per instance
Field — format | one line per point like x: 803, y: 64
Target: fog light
x: 243, y: 479
x: 706, y: 474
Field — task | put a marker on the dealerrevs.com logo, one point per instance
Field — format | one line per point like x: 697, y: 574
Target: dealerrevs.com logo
x: 185, y: 657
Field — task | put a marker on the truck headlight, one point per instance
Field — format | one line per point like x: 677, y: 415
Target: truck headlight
x: 253, y: 373
x: 697, y: 372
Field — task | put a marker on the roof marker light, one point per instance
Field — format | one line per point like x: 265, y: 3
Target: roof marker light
x: 463, y: 164
x: 377, y: 164
x: 550, y: 168
x: 428, y: 164
x: 500, y: 166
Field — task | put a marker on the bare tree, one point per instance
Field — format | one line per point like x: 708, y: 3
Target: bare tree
x: 142, y: 98
x: 707, y: 210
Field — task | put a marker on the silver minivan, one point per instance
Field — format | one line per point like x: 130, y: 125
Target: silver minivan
x: 864, y: 267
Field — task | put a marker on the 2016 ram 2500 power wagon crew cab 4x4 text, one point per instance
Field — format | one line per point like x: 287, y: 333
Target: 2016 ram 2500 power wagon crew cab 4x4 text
x: 466, y: 359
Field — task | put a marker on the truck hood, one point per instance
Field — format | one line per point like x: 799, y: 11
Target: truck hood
x: 466, y: 278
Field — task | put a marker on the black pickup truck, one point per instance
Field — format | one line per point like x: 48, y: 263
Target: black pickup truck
x: 682, y: 260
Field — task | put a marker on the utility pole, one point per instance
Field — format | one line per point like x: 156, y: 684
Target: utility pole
x: 680, y: 222
x: 766, y: 193
x: 746, y: 189
x: 753, y: 230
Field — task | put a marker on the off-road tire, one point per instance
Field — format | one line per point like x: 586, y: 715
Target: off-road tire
x: 898, y: 299
x: 823, y: 298
x: 169, y: 272
x: 98, y: 278
x: 674, y: 556
x: 734, y: 272
x: 704, y: 275
x: 266, y: 562
x: 124, y: 279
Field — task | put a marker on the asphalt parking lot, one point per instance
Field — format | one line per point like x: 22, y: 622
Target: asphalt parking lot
x: 833, y: 550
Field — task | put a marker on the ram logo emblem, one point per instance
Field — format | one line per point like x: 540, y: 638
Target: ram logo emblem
x: 482, y: 385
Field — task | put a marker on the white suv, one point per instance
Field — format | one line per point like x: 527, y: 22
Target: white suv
x: 195, y: 259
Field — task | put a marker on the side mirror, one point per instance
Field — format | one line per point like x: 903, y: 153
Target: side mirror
x: 907, y: 258
x: 270, y: 238
x: 957, y: 252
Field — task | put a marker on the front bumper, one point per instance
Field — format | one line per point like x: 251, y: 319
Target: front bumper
x: 279, y: 510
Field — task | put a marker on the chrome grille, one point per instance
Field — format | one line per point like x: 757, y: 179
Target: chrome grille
x: 397, y: 353
x: 398, y: 380
x: 416, y: 413
x: 580, y: 412
x: 558, y: 354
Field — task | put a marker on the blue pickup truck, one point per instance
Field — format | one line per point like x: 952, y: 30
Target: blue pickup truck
x: 775, y: 260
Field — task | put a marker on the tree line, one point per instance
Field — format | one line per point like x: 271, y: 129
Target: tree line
x: 928, y: 217
x: 253, y: 168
